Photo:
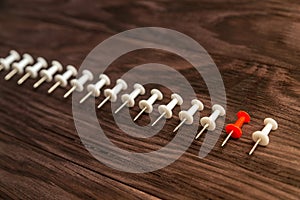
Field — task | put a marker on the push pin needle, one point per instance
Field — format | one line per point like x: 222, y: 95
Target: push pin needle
x: 47, y: 74
x: 111, y: 94
x: 234, y: 130
x: 32, y: 71
x: 62, y: 79
x: 166, y: 110
x: 262, y: 137
x: 187, y: 117
x: 78, y: 84
x: 147, y: 105
x: 128, y: 99
x: 209, y: 122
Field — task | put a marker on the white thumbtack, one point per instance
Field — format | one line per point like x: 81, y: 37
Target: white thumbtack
x: 6, y: 62
x: 261, y: 137
x: 19, y: 67
x: 166, y: 110
x: 47, y: 74
x: 147, y: 105
x: 111, y: 94
x: 187, y: 117
x: 77, y: 84
x: 209, y: 123
x: 62, y: 79
x: 128, y: 99
x: 94, y: 89
x: 32, y: 71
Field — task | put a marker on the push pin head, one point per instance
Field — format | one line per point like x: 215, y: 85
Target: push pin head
x: 234, y: 130
x: 166, y: 110
x: 62, y: 79
x: 32, y: 71
x: 47, y: 74
x: 262, y: 137
x: 94, y: 89
x: 187, y: 116
x: 209, y: 123
x: 111, y: 94
x: 6, y: 62
x: 147, y: 105
x: 128, y: 99
x: 19, y: 67
x: 78, y: 84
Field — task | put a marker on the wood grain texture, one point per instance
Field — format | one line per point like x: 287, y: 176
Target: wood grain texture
x: 256, y: 47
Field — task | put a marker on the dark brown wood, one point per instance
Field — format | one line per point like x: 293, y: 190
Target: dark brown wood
x: 256, y: 47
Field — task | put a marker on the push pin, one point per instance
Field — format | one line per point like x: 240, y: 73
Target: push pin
x: 32, y: 71
x: 128, y: 99
x: 47, y: 75
x: 6, y: 62
x: 234, y: 130
x: 94, y: 89
x: 166, y: 110
x: 187, y: 117
x: 62, y: 79
x: 111, y: 94
x: 19, y: 67
x: 147, y: 105
x: 77, y: 84
x: 209, y: 123
x: 261, y: 137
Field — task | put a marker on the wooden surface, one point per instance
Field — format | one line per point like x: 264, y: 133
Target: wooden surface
x: 256, y: 46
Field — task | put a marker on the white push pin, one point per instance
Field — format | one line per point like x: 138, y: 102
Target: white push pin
x: 261, y: 137
x: 111, y: 94
x: 209, y: 123
x: 94, y: 89
x: 47, y: 74
x: 62, y: 79
x: 128, y: 99
x: 32, y: 71
x: 77, y: 84
x: 19, y: 67
x: 147, y: 105
x: 187, y: 117
x: 6, y: 62
x: 166, y: 110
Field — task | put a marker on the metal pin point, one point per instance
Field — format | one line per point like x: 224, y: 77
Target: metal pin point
x: 255, y: 145
x: 203, y: 129
x: 227, y: 138
x: 140, y: 113
x: 54, y: 87
x: 159, y: 118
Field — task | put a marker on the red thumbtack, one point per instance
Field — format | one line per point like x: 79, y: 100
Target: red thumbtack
x: 234, y: 130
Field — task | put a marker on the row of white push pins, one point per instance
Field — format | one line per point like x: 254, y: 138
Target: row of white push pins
x: 18, y: 66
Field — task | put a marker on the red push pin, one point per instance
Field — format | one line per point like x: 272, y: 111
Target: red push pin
x: 234, y: 130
